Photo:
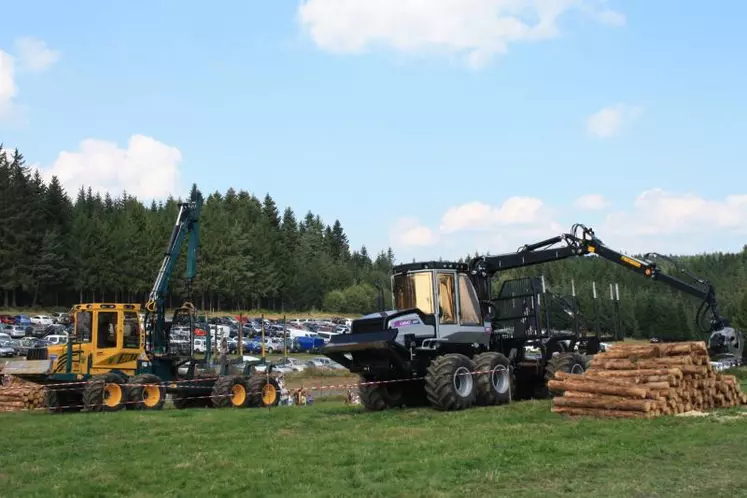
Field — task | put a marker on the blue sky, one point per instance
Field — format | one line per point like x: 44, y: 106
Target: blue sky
x: 403, y: 119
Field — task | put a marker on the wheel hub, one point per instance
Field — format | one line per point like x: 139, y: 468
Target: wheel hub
x: 499, y: 379
x: 463, y: 381
x: 112, y: 395
x: 151, y: 395
x: 238, y: 395
x: 269, y: 394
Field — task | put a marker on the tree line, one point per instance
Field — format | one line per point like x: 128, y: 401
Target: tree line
x: 56, y: 251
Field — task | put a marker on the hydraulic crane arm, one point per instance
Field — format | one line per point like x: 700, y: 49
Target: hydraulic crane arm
x: 185, y: 228
x: 582, y: 241
x: 482, y: 268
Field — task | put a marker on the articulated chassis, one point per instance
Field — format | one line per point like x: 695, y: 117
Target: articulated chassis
x: 403, y: 365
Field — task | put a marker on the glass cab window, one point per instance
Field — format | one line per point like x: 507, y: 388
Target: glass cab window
x: 469, y: 305
x: 83, y: 325
x: 131, y: 330
x: 414, y: 290
x: 447, y: 298
x: 106, y: 329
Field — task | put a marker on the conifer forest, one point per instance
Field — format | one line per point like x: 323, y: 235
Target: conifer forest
x: 58, y: 248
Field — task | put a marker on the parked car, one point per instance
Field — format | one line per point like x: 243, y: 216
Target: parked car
x: 293, y: 364
x: 6, y: 349
x: 16, y: 331
x: 30, y: 343
x: 200, y: 345
x: 308, y: 343
x: 324, y: 362
x: 41, y: 320
x: 56, y: 339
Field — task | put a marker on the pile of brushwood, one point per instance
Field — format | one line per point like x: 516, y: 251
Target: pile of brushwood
x: 21, y: 395
x: 644, y: 381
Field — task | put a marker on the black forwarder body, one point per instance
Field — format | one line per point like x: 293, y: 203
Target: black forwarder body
x: 373, y: 347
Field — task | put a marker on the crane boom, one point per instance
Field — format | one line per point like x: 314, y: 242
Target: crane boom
x: 185, y: 227
x: 723, y: 341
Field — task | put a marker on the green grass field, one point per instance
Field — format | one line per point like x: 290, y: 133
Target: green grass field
x: 330, y: 449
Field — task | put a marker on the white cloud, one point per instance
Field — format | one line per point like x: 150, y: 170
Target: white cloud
x: 478, y: 216
x: 610, y: 121
x: 657, y: 212
x: 409, y: 232
x: 8, y: 87
x: 479, y: 29
x: 34, y: 54
x: 657, y: 220
x: 591, y: 202
x: 147, y: 168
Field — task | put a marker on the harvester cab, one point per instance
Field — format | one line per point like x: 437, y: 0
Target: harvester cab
x: 105, y: 338
x: 436, y: 307
x: 444, y: 294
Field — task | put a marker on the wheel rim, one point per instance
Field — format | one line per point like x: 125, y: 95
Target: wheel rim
x: 112, y: 395
x: 577, y: 368
x: 269, y: 394
x: 463, y: 381
x: 151, y: 395
x: 238, y: 395
x: 499, y: 379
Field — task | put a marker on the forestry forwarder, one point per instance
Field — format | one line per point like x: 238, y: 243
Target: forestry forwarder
x: 446, y: 325
x: 112, y: 362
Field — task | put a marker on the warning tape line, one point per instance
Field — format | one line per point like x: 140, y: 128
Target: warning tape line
x: 67, y: 385
x: 101, y: 405
x: 78, y: 383
x: 390, y: 381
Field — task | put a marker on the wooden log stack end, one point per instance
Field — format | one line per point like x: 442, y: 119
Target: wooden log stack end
x: 20, y: 395
x: 644, y: 381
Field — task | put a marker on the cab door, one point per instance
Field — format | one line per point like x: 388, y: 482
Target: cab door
x: 107, y: 341
x: 447, y: 311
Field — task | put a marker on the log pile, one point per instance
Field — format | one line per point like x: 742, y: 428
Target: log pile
x: 645, y: 381
x: 21, y: 395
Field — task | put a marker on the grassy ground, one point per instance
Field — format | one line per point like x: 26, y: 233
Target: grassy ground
x: 330, y: 449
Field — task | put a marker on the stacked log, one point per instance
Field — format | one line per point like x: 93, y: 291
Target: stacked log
x: 21, y: 395
x: 645, y: 381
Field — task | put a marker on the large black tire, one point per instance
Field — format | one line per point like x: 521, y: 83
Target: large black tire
x: 264, y: 391
x: 449, y: 383
x: 495, y: 380
x: 105, y: 393
x: 377, y: 397
x: 147, y: 392
x: 61, y: 399
x: 230, y: 391
x: 562, y: 362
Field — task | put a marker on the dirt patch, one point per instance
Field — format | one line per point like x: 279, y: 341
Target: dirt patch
x: 693, y: 413
x: 323, y: 382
